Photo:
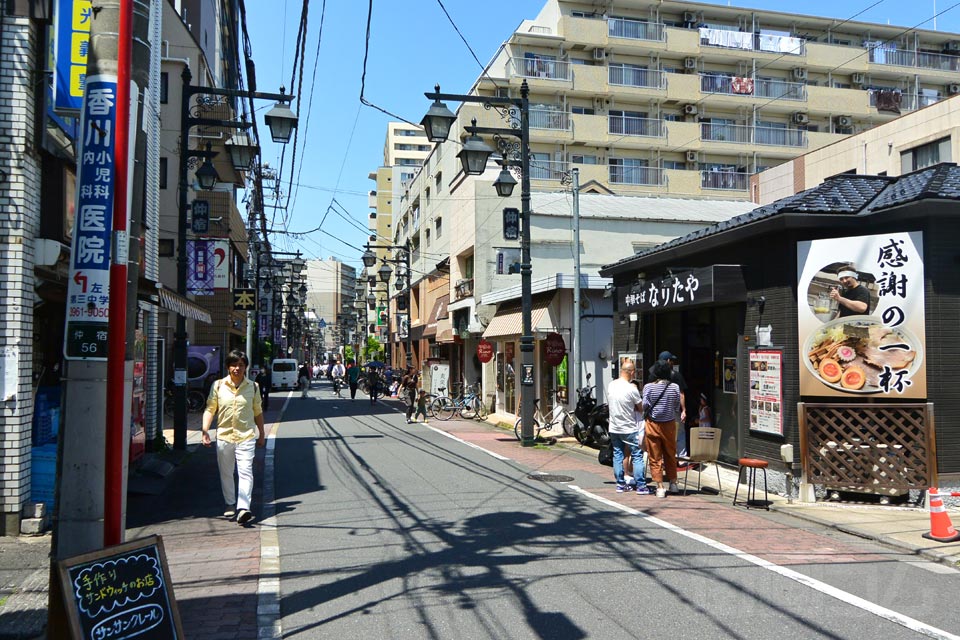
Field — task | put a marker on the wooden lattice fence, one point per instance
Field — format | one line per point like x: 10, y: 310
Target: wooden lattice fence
x: 874, y: 448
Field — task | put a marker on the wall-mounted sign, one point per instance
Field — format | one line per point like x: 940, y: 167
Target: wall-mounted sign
x: 684, y: 288
x: 71, y: 45
x: 244, y: 299
x: 220, y: 250
x: 554, y: 349
x: 485, y: 351
x: 511, y: 224
x: 199, y: 268
x: 730, y: 375
x: 861, y: 316
x: 527, y: 379
x: 766, y: 391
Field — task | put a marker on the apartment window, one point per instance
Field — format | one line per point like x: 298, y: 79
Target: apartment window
x: 439, y: 180
x: 468, y: 267
x: 426, y: 196
x: 674, y: 164
x: 164, y: 86
x: 439, y: 226
x: 404, y: 177
x: 672, y: 117
x: 427, y: 237
x: 163, y: 173
x: 408, y: 132
x: 925, y: 155
x: 583, y: 159
x: 584, y: 111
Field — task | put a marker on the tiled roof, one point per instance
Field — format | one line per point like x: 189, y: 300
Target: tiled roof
x: 845, y: 194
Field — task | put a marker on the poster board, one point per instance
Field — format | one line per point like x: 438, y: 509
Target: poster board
x: 730, y: 375
x: 123, y: 591
x: 766, y: 391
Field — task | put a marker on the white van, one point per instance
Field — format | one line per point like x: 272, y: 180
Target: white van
x: 284, y: 373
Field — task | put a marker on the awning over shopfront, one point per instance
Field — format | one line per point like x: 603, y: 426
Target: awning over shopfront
x: 439, y: 311
x: 509, y: 318
x: 171, y: 301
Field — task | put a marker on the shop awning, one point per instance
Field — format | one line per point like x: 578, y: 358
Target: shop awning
x: 171, y: 301
x: 509, y: 318
x: 445, y: 331
x: 439, y: 311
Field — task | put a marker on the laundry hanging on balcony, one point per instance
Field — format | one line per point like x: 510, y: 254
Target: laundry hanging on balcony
x: 888, y: 100
x: 742, y: 85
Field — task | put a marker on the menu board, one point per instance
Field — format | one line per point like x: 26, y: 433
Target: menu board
x: 121, y: 592
x: 766, y: 391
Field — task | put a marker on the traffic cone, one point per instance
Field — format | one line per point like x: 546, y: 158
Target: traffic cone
x: 941, y: 529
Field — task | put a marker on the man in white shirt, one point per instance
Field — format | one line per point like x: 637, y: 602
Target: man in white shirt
x: 624, y: 399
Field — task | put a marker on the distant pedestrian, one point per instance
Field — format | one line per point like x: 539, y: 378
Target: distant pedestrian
x: 265, y: 382
x: 304, y: 378
x: 408, y: 389
x: 421, y: 406
x: 373, y: 383
x: 353, y: 378
x: 624, y: 400
x: 677, y: 378
x: 236, y: 404
x: 661, y: 401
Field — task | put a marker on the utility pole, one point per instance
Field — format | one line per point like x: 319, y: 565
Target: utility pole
x: 93, y: 443
x: 575, y: 350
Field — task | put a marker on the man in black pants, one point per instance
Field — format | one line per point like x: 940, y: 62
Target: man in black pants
x: 854, y: 300
x: 409, y: 386
x: 373, y: 383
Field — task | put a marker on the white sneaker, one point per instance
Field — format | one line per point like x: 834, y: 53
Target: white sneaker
x: 674, y: 488
x: 661, y: 492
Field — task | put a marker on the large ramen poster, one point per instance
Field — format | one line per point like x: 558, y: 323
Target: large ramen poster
x: 861, y: 317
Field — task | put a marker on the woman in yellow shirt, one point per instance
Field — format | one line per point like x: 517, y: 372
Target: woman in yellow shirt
x: 235, y: 401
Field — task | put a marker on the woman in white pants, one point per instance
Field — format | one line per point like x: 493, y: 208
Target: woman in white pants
x: 236, y: 403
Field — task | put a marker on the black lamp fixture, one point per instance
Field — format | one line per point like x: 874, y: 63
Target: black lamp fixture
x: 303, y: 289
x: 207, y: 175
x: 369, y: 258
x: 474, y: 155
x: 504, y: 183
x: 281, y: 120
x: 384, y: 272
x: 437, y: 122
x: 241, y: 150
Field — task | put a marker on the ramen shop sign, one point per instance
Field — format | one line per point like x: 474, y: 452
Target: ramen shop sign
x: 861, y: 316
x: 683, y: 288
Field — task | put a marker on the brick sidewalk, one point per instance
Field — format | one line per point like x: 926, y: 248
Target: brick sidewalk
x: 710, y: 516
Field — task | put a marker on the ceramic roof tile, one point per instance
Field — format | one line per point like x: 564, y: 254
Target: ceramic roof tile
x: 840, y: 194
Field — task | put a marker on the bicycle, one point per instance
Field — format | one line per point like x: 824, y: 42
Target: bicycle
x: 196, y: 401
x: 559, y: 416
x: 469, y: 406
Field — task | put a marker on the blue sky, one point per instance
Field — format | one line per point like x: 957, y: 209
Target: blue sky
x: 412, y: 47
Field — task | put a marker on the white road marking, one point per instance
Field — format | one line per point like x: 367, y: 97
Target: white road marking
x: 469, y: 444
x: 816, y: 585
x: 269, y: 624
x: 933, y: 567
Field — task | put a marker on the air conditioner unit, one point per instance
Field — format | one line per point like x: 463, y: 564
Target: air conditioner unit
x: 690, y: 109
x: 952, y: 45
x: 689, y: 16
x: 858, y: 78
x: 599, y: 54
x: 953, y: 89
x: 800, y: 118
x: 692, y: 156
x: 689, y: 63
x: 799, y: 73
x: 844, y: 121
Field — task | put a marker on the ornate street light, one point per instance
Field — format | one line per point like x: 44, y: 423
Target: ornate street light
x: 504, y: 183
x: 437, y: 122
x: 241, y: 150
x: 474, y: 155
x: 281, y: 120
x: 384, y: 272
x: 369, y: 258
x: 207, y: 175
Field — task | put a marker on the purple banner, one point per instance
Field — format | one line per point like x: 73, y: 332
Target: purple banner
x: 200, y: 267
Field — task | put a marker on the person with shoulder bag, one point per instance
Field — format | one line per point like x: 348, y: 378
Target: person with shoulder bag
x: 235, y: 402
x: 624, y: 400
x: 661, y: 402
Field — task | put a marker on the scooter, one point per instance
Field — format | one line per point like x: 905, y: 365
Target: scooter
x: 337, y: 384
x: 592, y: 420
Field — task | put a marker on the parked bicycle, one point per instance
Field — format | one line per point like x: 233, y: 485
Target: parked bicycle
x: 559, y: 416
x: 469, y: 406
x: 196, y: 401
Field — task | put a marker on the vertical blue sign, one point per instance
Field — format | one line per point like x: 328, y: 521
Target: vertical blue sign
x: 88, y: 291
x: 71, y: 45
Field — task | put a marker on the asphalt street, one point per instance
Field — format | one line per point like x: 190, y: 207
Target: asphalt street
x: 389, y: 530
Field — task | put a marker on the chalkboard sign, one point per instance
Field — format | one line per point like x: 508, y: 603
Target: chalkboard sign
x: 121, y: 592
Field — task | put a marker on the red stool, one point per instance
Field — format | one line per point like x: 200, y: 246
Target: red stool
x: 752, y: 464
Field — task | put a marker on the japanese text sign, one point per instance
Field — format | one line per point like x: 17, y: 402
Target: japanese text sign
x: 71, y: 44
x: 861, y: 318
x: 121, y: 592
x: 88, y: 290
x: 683, y: 288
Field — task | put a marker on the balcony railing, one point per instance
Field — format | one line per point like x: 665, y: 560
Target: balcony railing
x: 908, y: 101
x: 635, y: 29
x: 632, y: 77
x: 710, y: 83
x: 727, y: 180
x: 548, y: 169
x: 730, y: 39
x: 540, y: 68
x: 463, y: 288
x: 549, y: 119
x: 745, y: 134
x: 921, y: 59
x: 631, y: 126
x: 647, y: 176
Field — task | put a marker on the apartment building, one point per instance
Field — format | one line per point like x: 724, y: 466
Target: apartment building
x: 331, y: 291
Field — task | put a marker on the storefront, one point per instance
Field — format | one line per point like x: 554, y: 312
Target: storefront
x: 746, y: 306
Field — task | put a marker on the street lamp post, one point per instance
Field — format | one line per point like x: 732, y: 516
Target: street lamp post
x: 369, y: 260
x: 281, y: 122
x: 473, y: 157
